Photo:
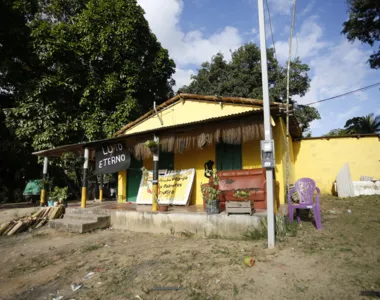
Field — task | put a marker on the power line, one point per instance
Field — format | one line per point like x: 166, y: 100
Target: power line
x: 271, y: 31
x: 341, y: 95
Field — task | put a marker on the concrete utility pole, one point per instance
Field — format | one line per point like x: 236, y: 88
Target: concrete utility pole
x: 84, y: 183
x: 45, y: 185
x: 267, y: 124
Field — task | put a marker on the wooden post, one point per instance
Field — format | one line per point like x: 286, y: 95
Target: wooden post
x: 101, y: 187
x: 84, y: 183
x: 156, y: 156
x: 44, y: 177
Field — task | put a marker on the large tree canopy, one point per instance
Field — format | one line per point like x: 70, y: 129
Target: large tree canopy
x: 72, y: 71
x: 364, y: 24
x: 241, y: 77
x: 99, y: 66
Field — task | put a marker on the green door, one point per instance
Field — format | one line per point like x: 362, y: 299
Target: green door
x: 228, y: 157
x: 134, y: 174
x: 166, y: 161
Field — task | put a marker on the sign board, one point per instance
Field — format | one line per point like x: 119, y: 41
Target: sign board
x: 112, y: 159
x: 174, y: 187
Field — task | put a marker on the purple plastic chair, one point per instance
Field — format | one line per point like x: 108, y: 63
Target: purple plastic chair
x: 305, y: 188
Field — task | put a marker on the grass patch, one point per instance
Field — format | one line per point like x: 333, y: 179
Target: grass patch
x: 345, y: 249
x: 90, y: 247
x: 283, y: 228
x: 236, y: 290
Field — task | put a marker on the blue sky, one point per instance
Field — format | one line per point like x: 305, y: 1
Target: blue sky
x: 195, y: 30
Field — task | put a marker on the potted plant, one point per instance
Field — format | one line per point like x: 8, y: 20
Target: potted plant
x: 152, y: 145
x: 210, y: 193
x: 242, y: 195
x: 58, y: 196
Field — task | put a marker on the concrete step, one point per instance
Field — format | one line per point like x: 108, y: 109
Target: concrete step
x: 80, y: 223
x: 85, y: 217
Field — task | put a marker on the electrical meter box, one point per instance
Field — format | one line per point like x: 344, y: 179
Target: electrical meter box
x: 267, y: 154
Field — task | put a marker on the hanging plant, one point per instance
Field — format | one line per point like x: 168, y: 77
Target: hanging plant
x: 152, y: 145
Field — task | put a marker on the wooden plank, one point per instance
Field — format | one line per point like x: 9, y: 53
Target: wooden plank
x: 231, y: 204
x: 9, y: 228
x: 4, y: 227
x: 15, y: 228
x: 40, y: 223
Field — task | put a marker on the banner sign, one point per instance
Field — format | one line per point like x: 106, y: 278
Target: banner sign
x: 112, y: 159
x: 173, y: 188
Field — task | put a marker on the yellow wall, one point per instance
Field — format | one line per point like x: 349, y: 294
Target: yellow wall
x: 195, y: 158
x: 321, y: 159
x: 189, y: 111
x: 251, y: 158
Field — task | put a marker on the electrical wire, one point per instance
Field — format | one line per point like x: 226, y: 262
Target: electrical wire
x: 271, y: 31
x: 348, y: 93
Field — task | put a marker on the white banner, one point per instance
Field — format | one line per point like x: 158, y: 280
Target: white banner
x: 173, y: 188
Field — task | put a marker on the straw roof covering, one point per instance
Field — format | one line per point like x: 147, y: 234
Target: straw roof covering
x: 237, y: 132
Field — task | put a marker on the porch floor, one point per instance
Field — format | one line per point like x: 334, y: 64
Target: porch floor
x: 185, y: 220
x: 113, y: 205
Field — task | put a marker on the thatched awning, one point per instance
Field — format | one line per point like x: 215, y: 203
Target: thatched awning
x: 232, y: 129
x: 230, y: 132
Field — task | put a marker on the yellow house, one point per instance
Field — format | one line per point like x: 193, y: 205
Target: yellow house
x: 193, y: 129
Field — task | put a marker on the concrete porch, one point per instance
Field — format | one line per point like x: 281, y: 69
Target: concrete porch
x: 180, y: 220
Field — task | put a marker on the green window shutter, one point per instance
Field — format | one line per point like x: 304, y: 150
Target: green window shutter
x: 228, y: 157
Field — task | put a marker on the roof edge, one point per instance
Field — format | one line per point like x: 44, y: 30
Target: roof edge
x: 358, y: 136
x: 184, y: 96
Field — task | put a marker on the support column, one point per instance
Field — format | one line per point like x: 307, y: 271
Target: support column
x: 101, y: 187
x: 155, y: 177
x: 122, y: 187
x: 44, y: 177
x: 267, y: 124
x: 84, y: 181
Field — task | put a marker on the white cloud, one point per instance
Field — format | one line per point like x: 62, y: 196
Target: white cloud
x: 307, y: 9
x: 342, y: 68
x: 182, y: 77
x: 307, y: 44
x: 186, y: 48
x: 348, y: 113
x: 280, y: 7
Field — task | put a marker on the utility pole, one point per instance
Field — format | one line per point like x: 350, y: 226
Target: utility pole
x: 267, y: 125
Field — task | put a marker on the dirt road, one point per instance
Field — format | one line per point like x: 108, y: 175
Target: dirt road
x: 336, y: 263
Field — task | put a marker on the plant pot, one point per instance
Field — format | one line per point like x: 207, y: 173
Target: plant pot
x: 154, y: 149
x: 212, y: 207
x: 163, y: 207
x: 50, y: 203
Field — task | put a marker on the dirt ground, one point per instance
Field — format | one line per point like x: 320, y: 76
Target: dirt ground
x: 337, y: 263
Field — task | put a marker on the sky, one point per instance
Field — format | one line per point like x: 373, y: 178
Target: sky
x: 195, y: 30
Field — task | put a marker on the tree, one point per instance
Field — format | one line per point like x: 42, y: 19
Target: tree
x: 336, y: 132
x: 363, y: 125
x: 16, y: 67
x: 99, y: 67
x: 241, y: 77
x: 364, y: 24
